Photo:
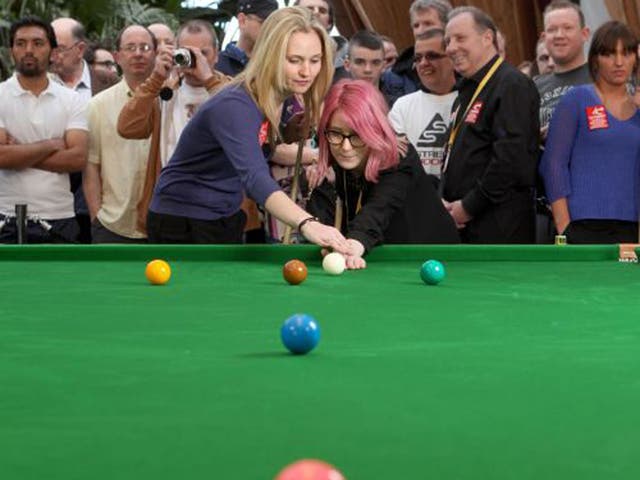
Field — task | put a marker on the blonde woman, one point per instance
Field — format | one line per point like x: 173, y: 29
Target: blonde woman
x: 221, y: 152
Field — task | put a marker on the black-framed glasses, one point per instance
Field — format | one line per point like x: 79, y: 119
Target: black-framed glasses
x: 106, y: 63
x: 334, y: 137
x: 431, y: 56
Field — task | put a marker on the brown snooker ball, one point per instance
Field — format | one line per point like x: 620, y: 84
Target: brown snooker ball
x: 294, y: 272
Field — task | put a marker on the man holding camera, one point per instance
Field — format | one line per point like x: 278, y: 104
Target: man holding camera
x: 160, y: 112
x: 114, y: 174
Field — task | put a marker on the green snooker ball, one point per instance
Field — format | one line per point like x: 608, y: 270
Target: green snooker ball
x: 432, y: 272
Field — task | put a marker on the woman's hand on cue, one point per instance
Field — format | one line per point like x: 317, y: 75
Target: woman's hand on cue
x: 325, y: 236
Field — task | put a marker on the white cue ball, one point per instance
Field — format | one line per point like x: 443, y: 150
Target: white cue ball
x: 333, y: 263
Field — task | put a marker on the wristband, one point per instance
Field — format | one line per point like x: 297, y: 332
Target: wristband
x: 305, y: 221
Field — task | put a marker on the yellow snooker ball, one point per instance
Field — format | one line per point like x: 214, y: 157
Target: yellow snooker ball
x: 158, y: 272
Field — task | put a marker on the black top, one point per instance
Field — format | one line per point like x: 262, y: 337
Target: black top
x: 495, y: 154
x: 402, y: 207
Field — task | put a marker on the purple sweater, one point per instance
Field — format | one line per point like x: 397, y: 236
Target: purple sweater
x: 217, y: 157
x: 597, y: 170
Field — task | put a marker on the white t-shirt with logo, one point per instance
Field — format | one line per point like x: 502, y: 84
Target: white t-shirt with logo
x: 29, y: 119
x: 176, y: 113
x: 424, y: 118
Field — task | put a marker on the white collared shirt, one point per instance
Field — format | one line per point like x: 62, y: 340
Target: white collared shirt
x: 29, y: 119
x: 122, y: 162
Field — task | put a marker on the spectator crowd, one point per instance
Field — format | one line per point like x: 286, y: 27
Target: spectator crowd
x: 290, y: 135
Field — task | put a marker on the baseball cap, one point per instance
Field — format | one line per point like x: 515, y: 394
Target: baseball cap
x: 261, y: 8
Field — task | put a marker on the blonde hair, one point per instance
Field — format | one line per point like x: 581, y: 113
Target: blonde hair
x: 264, y: 76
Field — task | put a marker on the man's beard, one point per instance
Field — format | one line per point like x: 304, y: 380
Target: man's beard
x: 33, y: 70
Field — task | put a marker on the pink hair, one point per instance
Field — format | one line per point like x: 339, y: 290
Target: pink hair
x: 365, y: 111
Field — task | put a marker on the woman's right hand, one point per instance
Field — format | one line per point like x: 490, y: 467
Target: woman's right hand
x: 325, y: 236
x: 354, y: 258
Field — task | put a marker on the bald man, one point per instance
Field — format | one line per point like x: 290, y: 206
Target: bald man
x: 163, y: 33
x: 67, y: 61
x: 115, y: 172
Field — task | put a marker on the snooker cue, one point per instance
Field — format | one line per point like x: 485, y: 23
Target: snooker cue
x: 21, y: 223
x: 286, y: 239
x: 337, y: 223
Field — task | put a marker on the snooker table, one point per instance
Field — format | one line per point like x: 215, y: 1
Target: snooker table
x: 524, y: 363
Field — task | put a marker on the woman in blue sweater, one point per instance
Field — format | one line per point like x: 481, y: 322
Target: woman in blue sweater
x: 221, y: 152
x: 591, y: 164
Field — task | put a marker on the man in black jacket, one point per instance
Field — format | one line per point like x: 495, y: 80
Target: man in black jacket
x: 490, y: 170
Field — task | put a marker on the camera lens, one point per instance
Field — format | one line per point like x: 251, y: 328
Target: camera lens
x: 183, y: 57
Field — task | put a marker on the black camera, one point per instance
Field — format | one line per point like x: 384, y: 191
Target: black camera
x: 183, y: 57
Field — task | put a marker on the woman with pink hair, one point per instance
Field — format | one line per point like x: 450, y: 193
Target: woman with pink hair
x: 383, y: 193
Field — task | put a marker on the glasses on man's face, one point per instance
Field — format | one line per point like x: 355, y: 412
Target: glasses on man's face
x: 106, y: 63
x: 133, y: 48
x: 334, y: 137
x: 63, y: 49
x: 430, y: 56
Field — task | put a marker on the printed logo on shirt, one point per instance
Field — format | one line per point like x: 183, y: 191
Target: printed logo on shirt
x: 434, y: 134
x: 474, y: 112
x: 263, y: 133
x: 597, y: 117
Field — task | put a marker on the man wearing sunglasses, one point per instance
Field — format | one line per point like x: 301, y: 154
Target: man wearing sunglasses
x: 423, y: 116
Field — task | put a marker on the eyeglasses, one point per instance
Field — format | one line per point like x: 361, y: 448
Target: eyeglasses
x: 63, y: 49
x: 431, y: 56
x: 133, y: 48
x: 335, y: 137
x: 106, y: 63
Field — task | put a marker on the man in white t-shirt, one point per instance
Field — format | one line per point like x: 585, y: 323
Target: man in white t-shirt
x: 43, y: 137
x: 423, y: 116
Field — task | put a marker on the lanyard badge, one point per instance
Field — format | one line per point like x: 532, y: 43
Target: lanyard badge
x: 472, y: 112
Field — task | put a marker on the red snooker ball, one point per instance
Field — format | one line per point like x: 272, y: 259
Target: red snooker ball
x: 310, y: 470
x: 294, y: 272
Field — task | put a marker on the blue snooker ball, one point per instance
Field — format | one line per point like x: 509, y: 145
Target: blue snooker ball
x: 432, y: 272
x: 300, y: 333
